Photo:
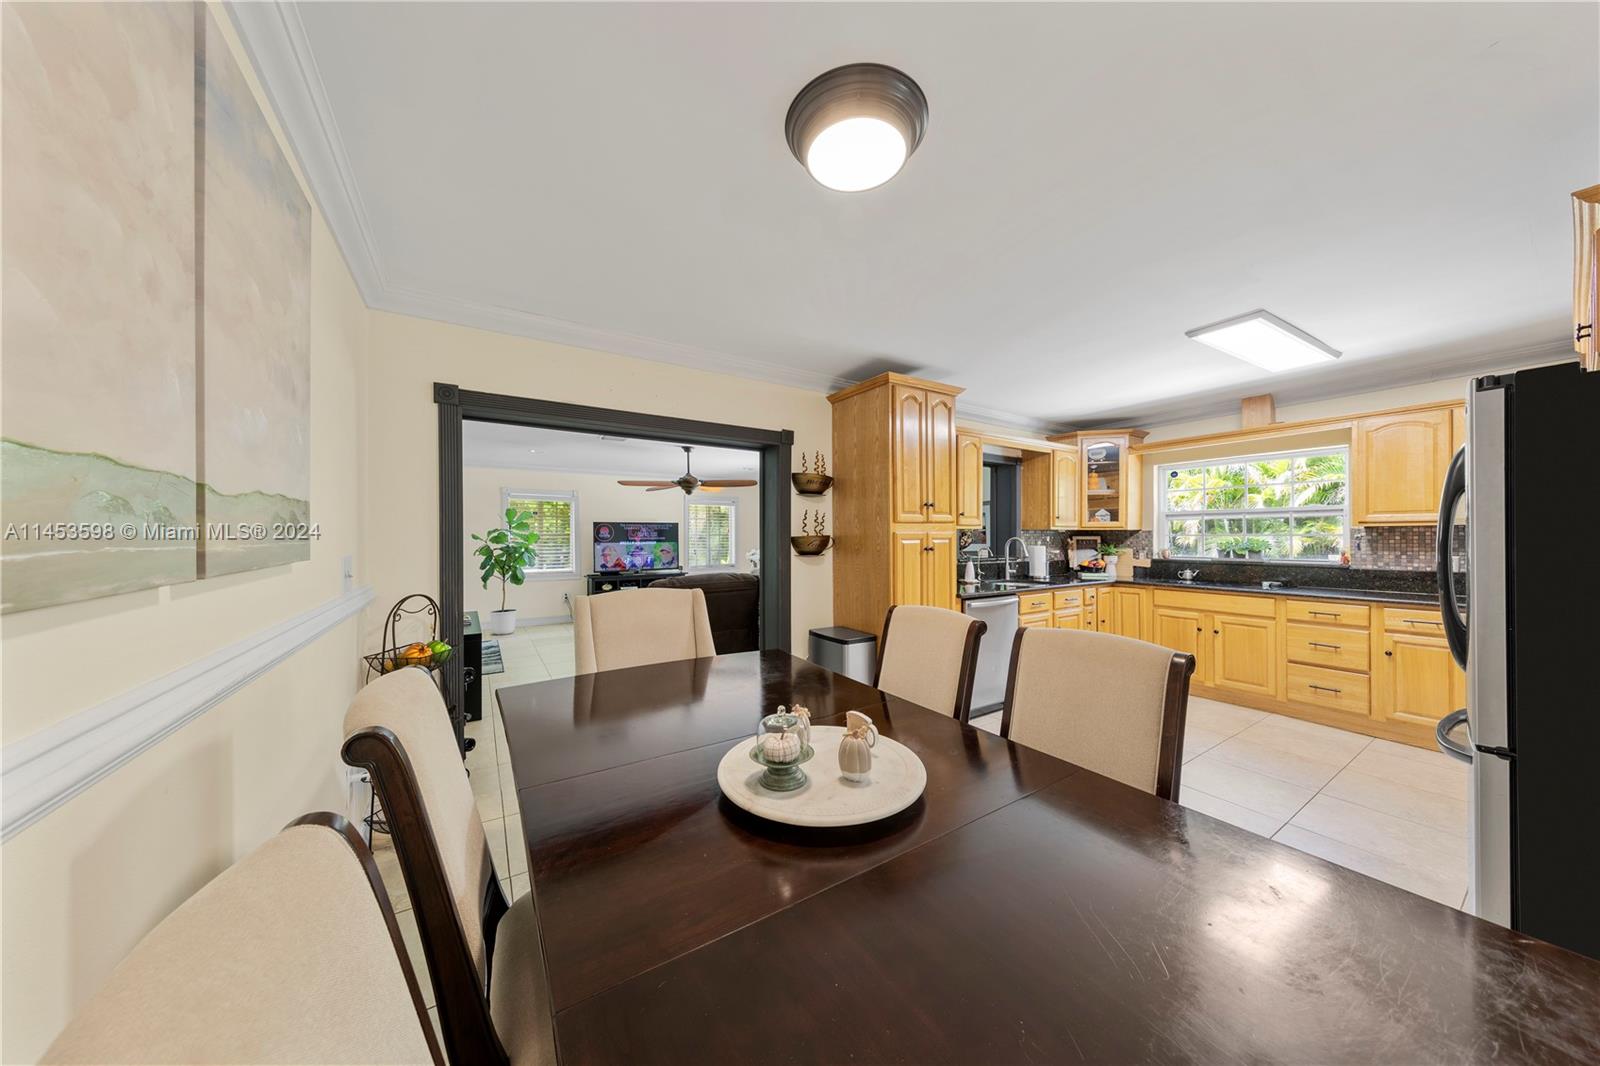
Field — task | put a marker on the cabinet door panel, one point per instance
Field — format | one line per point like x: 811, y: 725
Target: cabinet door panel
x: 1071, y: 618
x: 940, y: 448
x: 1182, y: 630
x: 1066, y: 488
x: 969, y: 481
x: 1243, y: 655
x: 908, y: 561
x: 1399, y: 466
x: 939, y: 577
x: 1417, y: 680
x: 1128, y: 611
x: 910, y: 415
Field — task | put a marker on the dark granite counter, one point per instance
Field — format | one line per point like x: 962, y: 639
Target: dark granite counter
x: 988, y: 590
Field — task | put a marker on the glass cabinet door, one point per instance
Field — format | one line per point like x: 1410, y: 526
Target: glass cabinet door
x: 1102, y: 481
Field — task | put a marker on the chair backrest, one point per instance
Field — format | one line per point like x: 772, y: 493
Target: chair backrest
x: 635, y: 628
x: 398, y: 729
x: 1111, y: 704
x: 733, y: 606
x: 929, y: 656
x: 290, y: 955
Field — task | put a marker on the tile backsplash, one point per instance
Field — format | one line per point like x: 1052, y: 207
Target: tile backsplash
x: 1392, y: 548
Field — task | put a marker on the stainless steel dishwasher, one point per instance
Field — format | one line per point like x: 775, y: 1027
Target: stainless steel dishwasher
x: 994, y: 651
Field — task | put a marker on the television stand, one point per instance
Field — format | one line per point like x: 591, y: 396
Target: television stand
x: 612, y: 580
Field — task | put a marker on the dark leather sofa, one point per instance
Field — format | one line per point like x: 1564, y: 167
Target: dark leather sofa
x: 733, y: 605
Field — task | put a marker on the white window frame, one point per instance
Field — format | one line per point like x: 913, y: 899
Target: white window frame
x: 733, y: 534
x: 529, y: 573
x: 1162, y: 534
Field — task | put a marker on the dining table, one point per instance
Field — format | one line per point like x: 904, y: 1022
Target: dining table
x: 1023, y: 910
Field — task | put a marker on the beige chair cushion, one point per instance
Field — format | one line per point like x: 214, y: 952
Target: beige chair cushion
x: 519, y: 999
x: 922, y: 651
x: 283, y: 958
x: 623, y: 629
x: 408, y: 704
x: 1095, y: 699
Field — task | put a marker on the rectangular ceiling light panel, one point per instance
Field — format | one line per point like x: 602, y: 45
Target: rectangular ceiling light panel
x: 1262, y: 339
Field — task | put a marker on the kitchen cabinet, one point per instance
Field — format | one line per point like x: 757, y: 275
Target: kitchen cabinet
x: 924, y: 568
x: 1108, y: 473
x: 969, y: 481
x: 1065, y: 471
x: 1458, y: 428
x: 1243, y: 654
x: 1070, y: 618
x: 1586, y: 275
x: 1127, y: 610
x: 1050, y: 488
x: 895, y: 489
x: 1183, y: 630
x: 1398, y: 463
x: 1416, y: 680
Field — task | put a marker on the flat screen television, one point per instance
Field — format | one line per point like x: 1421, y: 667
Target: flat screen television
x: 620, y: 546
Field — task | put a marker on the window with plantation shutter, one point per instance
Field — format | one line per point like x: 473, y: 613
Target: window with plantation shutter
x: 709, y: 535
x: 553, y: 515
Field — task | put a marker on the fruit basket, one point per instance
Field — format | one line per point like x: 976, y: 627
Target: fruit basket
x: 430, y: 654
x: 419, y: 614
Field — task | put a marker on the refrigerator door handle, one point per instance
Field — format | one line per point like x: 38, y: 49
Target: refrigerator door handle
x: 1455, y: 627
x: 1441, y: 733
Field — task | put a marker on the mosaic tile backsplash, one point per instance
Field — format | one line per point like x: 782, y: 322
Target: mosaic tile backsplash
x: 1372, y: 548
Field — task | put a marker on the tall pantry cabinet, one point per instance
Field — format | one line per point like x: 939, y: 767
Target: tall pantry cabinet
x: 895, y: 503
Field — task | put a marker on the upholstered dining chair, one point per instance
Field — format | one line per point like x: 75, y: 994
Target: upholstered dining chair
x: 929, y: 656
x: 484, y: 956
x: 637, y: 628
x: 1111, y: 704
x: 290, y: 955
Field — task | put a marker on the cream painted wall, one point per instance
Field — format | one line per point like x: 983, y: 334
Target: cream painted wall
x: 600, y: 499
x: 409, y: 354
x: 81, y: 886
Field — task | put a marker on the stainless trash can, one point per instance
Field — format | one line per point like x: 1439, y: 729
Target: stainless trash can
x: 845, y: 651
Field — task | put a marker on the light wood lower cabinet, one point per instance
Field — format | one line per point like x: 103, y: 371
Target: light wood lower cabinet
x: 1328, y: 646
x: 1182, y: 630
x: 1417, y: 680
x: 924, y: 568
x: 1336, y: 690
x: 1128, y: 614
x: 1243, y: 654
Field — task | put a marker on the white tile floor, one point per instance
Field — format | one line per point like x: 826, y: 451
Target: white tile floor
x: 1392, y: 811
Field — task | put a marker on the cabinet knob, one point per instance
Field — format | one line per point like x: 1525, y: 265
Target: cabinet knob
x: 1197, y: 629
x: 1389, y: 653
x: 1216, y: 632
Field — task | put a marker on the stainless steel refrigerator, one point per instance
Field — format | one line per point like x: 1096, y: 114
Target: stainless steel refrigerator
x: 1526, y: 487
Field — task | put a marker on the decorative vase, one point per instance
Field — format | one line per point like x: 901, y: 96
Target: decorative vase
x: 781, y: 750
x: 503, y: 623
x: 811, y: 545
x: 1111, y: 567
x: 855, y: 747
x: 811, y: 484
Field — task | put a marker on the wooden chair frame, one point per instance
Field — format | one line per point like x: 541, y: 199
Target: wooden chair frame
x: 976, y: 628
x: 1174, y: 712
x: 462, y: 997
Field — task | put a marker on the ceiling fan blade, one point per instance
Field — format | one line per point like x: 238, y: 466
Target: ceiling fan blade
x: 662, y: 488
x: 642, y: 484
x: 726, y: 483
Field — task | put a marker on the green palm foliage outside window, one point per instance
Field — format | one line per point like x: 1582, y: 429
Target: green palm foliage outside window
x: 1293, y: 506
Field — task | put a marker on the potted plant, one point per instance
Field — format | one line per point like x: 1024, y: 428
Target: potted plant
x: 505, y: 553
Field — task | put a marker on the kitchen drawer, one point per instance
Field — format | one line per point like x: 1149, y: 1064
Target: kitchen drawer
x: 1333, y: 689
x: 1343, y: 649
x: 1069, y: 598
x: 1033, y: 603
x: 1411, y: 620
x: 1219, y: 602
x: 1034, y: 620
x: 1327, y: 612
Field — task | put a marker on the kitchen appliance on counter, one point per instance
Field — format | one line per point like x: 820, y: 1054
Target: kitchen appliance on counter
x: 1533, y: 698
x: 1038, y: 561
x: 994, y: 651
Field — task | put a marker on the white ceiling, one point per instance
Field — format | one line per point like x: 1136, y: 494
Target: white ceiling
x: 1095, y: 180
x: 523, y: 447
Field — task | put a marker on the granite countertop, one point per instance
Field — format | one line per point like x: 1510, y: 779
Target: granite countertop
x: 986, y: 590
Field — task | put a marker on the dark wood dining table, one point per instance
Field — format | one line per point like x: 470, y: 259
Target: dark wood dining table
x: 1024, y: 910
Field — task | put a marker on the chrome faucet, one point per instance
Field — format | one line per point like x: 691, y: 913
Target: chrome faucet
x: 1009, y: 560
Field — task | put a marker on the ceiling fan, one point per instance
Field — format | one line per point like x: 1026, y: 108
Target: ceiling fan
x: 688, y: 482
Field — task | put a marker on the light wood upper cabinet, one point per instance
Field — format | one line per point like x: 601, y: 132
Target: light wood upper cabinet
x: 1065, y: 471
x: 1108, y: 475
x: 1398, y: 464
x: 1458, y: 428
x: 940, y: 475
x: 1586, y: 274
x: 1244, y: 654
x: 910, y: 429
x: 969, y: 480
x: 1416, y: 680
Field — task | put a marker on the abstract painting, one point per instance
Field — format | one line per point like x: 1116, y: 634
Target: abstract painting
x: 155, y: 387
x: 97, y: 401
x: 255, y: 349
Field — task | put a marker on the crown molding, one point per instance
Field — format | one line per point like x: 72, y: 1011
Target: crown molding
x: 1368, y: 376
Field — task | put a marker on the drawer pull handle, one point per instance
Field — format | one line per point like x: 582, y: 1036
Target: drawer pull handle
x: 1324, y: 688
x: 1323, y: 614
x: 1319, y: 644
x: 1423, y: 622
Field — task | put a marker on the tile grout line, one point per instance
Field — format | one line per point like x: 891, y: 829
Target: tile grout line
x: 1318, y: 792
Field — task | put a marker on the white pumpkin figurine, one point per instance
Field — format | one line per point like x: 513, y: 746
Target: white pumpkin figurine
x: 804, y: 726
x: 855, y: 747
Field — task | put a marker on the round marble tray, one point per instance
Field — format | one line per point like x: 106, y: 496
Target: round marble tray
x: 827, y: 799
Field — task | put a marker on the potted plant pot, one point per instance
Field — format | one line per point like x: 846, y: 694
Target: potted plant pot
x: 503, y: 623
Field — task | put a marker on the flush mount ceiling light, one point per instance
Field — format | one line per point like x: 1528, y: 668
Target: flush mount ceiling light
x: 854, y: 127
x: 1263, y: 339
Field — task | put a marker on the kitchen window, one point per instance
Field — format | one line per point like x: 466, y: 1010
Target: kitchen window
x: 709, y: 537
x: 1288, y: 507
x: 553, y: 515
